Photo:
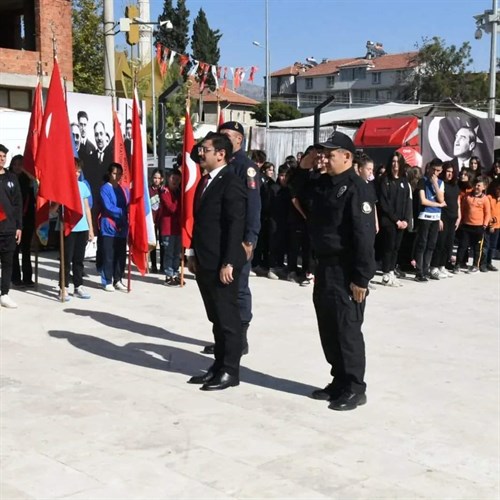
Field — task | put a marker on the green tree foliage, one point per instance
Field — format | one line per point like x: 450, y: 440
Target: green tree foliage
x: 88, y: 47
x: 205, y: 44
x: 442, y: 73
x: 278, y: 110
x: 178, y: 38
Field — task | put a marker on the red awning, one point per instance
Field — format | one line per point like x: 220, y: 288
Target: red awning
x: 388, y: 132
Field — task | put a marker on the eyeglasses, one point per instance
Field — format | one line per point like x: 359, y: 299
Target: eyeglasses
x: 203, y: 149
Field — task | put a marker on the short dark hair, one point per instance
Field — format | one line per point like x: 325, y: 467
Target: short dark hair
x: 266, y: 166
x: 283, y: 169
x: 258, y: 156
x: 447, y: 165
x: 363, y: 159
x: 114, y: 165
x: 82, y: 114
x: 221, y: 143
x: 436, y: 162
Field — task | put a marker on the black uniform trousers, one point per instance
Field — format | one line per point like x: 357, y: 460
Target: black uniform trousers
x: 339, y: 321
x: 25, y: 250
x: 391, y: 240
x: 444, y: 246
x: 425, y: 243
x: 470, y: 236
x: 221, y: 305
x: 74, y: 254
x: 7, y: 248
x: 261, y: 254
x: 114, y: 256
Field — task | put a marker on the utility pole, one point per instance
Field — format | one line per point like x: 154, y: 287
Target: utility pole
x: 109, y: 48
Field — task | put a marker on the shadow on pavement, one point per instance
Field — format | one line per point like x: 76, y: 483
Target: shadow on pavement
x: 121, y: 323
x: 173, y: 359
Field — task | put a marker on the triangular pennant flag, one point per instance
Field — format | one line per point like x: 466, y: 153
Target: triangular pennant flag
x: 35, y: 126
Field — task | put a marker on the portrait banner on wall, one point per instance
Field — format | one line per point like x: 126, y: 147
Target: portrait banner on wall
x: 458, y: 139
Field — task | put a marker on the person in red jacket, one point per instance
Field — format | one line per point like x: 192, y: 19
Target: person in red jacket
x: 170, y: 228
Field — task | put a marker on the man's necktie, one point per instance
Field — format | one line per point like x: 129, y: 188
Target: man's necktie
x: 199, y: 191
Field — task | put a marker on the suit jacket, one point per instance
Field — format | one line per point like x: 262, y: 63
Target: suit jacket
x: 219, y: 222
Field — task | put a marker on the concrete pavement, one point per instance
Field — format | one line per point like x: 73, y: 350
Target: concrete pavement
x: 94, y: 401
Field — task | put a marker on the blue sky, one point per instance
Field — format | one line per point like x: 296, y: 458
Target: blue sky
x: 332, y: 28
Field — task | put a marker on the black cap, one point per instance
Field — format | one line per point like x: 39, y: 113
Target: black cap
x: 3, y: 149
x: 236, y: 126
x: 338, y: 140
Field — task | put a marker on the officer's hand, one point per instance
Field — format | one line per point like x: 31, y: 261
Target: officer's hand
x: 226, y: 275
x: 191, y: 263
x: 18, y: 236
x: 358, y: 293
x: 307, y: 161
x: 248, y: 250
x: 441, y: 225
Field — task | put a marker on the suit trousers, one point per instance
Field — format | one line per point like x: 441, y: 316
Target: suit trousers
x: 221, y: 305
x: 425, y: 243
x: 339, y: 322
x: 7, y: 248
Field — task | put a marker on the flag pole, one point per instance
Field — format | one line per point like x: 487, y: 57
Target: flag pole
x: 39, y: 74
x: 62, y: 267
x: 183, y: 250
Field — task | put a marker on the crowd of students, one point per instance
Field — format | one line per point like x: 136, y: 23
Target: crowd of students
x: 420, y: 217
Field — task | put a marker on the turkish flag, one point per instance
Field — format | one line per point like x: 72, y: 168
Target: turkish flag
x: 138, y: 235
x: 119, y: 152
x: 35, y: 126
x: 3, y: 215
x: 54, y: 159
x: 190, y: 177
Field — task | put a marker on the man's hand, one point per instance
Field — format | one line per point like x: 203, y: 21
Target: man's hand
x: 358, y: 293
x: 441, y: 225
x: 18, y: 236
x: 226, y: 275
x: 442, y: 204
x: 192, y: 266
x: 248, y: 250
x: 91, y: 235
x: 307, y: 161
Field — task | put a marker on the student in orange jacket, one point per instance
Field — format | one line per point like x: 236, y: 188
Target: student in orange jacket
x: 493, y: 231
x: 476, y: 215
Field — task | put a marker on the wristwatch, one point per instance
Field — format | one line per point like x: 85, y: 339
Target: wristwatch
x: 248, y: 243
x: 227, y: 265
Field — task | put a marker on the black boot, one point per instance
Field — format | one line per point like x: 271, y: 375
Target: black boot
x: 244, y: 340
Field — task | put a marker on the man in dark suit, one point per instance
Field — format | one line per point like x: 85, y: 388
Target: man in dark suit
x: 85, y: 147
x: 217, y: 257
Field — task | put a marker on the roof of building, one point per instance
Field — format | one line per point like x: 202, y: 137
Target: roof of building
x: 227, y: 96
x: 294, y: 69
x: 385, y: 62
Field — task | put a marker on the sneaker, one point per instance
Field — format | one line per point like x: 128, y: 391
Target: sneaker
x: 386, y: 278
x: 17, y: 283
x: 292, y: 277
x: 120, y: 287
x: 81, y: 293
x: 66, y: 295
x: 305, y: 282
x: 252, y: 273
x: 483, y: 269
x: 421, y: 278
x: 435, y: 275
x: 108, y: 288
x: 260, y: 271
x: 6, y: 301
x: 29, y: 284
x: 371, y: 286
x: 491, y: 267
x: 171, y: 281
x: 456, y: 269
x: 445, y: 272
x: 177, y: 280
x: 272, y: 274
x: 473, y: 269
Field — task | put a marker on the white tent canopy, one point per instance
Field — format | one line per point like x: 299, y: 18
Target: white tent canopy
x: 354, y: 115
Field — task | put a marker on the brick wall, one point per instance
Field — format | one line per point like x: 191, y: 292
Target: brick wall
x: 51, y: 17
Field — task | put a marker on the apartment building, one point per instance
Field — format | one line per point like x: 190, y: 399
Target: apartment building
x: 29, y: 30
x: 375, y: 78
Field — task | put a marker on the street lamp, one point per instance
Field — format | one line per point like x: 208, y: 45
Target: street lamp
x: 488, y: 22
x: 268, y: 78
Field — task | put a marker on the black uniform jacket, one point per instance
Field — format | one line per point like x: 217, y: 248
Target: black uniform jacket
x: 341, y: 221
x: 11, y: 203
x: 219, y: 222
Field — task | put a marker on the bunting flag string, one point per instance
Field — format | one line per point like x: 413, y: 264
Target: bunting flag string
x: 201, y: 70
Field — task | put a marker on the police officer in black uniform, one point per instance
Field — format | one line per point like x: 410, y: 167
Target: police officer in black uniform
x: 246, y: 169
x: 342, y: 229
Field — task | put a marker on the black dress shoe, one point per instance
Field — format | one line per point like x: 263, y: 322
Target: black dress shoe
x: 209, y: 349
x: 244, y: 350
x: 348, y: 401
x: 220, y: 382
x: 330, y: 392
x: 202, y: 379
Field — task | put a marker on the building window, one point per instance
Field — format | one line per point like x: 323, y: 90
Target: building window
x: 17, y: 25
x: 330, y: 82
x: 15, y: 99
x: 376, y: 78
x: 345, y: 75
x: 359, y: 73
x: 309, y: 83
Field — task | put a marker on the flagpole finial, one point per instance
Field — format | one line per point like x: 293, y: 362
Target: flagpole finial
x: 54, y: 40
x: 189, y: 83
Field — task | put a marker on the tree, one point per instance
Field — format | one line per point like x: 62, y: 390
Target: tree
x: 88, y: 47
x: 176, y: 39
x: 441, y: 73
x: 278, y: 111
